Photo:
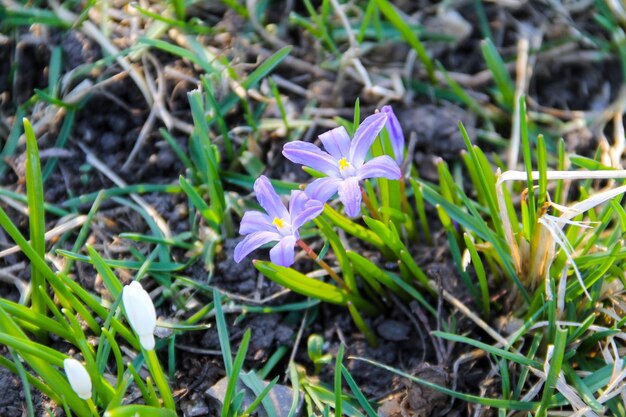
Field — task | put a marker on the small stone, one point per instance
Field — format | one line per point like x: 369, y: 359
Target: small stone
x: 198, y: 410
x: 109, y: 141
x: 280, y: 395
x: 393, y: 330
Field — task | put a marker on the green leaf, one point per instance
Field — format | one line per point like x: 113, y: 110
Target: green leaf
x: 139, y: 411
x: 340, y: 252
x: 390, y: 236
x: 67, y: 299
x: 295, y: 281
x: 315, y: 347
x: 352, y: 228
x: 372, y: 273
x: 38, y: 320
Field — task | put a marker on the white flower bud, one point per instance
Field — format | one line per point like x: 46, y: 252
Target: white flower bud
x: 140, y: 313
x: 78, y: 377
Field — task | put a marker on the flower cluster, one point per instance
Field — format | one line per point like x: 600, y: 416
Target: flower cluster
x: 343, y: 162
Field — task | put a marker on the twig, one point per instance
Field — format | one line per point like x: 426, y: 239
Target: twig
x: 520, y: 88
x: 52, y: 233
x: 251, y: 6
x: 468, y: 313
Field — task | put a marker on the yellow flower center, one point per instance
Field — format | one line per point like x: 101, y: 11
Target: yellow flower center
x: 278, y: 222
x: 343, y: 164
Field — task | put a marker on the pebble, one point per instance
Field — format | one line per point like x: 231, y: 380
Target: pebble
x: 393, y: 330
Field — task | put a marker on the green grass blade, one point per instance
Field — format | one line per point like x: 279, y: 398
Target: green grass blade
x: 62, y: 138
x: 501, y: 76
x: 28, y: 398
x: 41, y: 359
x: 337, y: 385
x: 489, y: 402
x: 13, y: 138
x: 198, y: 202
x: 369, y: 410
x: 261, y: 391
x: 36, y: 214
x: 528, y: 165
x: 113, y: 263
x: 178, y: 151
x: 234, y: 376
x: 553, y: 373
x: 255, y: 76
x: 112, y: 283
x: 222, y: 331
x: 514, y: 357
x: 480, y: 274
x: 228, y: 144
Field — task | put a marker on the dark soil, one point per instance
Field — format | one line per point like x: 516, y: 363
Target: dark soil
x: 12, y: 399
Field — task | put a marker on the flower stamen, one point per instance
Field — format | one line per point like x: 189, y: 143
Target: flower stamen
x: 278, y: 222
x: 343, y: 164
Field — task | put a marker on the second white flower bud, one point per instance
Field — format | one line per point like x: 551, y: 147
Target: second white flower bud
x: 78, y: 377
x: 140, y: 313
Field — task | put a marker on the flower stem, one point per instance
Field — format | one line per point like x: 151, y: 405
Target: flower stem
x: 159, y: 379
x: 92, y: 408
x: 406, y: 208
x: 323, y: 264
x: 368, y: 203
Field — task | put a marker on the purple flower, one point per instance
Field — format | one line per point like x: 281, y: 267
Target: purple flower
x: 344, y: 162
x: 278, y: 225
x: 396, y: 136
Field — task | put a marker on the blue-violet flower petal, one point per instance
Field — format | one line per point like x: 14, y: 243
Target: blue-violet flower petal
x: 365, y: 136
x: 350, y: 196
x: 396, y: 135
x: 380, y: 167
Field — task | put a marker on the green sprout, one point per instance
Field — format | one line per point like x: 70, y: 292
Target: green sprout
x: 315, y: 349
